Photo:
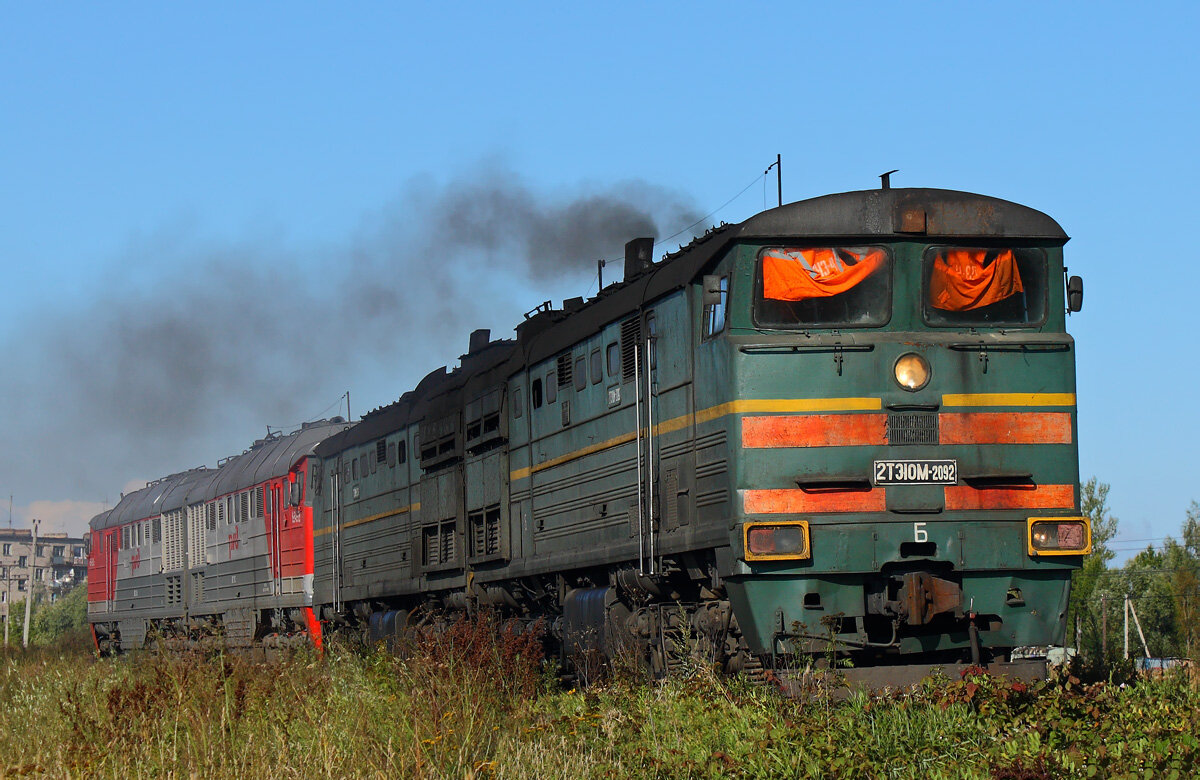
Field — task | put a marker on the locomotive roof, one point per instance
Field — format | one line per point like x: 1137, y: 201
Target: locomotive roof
x: 866, y: 214
x: 99, y: 521
x: 497, y: 355
x: 150, y: 500
x: 937, y: 214
x: 267, y: 458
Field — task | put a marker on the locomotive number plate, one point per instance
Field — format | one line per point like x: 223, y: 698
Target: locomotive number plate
x: 915, y: 472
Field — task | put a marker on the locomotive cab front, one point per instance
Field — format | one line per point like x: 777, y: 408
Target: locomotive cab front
x: 902, y: 427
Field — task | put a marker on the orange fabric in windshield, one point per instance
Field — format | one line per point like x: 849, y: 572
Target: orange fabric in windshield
x: 799, y: 274
x: 961, y: 281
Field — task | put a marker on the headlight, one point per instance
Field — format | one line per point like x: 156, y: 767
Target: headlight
x: 912, y: 371
x: 778, y: 541
x: 1059, y: 536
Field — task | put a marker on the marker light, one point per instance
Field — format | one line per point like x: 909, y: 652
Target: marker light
x: 912, y: 372
x: 1059, y: 536
x: 778, y: 541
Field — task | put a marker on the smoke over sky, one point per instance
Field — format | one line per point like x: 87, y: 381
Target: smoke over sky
x: 190, y: 349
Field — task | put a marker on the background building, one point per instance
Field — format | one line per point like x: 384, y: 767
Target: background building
x: 58, y: 563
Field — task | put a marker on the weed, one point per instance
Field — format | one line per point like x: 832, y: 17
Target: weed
x: 474, y: 699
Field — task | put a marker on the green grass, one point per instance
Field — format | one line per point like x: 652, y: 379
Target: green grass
x: 468, y: 704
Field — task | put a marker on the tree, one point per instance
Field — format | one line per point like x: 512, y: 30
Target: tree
x: 1163, y: 582
x: 58, y: 623
x: 1146, y: 579
x: 1089, y: 591
x: 1183, y: 561
x: 52, y: 622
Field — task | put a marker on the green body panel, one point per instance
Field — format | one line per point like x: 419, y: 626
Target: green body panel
x: 777, y: 603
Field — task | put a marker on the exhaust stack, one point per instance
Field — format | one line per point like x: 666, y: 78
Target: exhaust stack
x: 638, y: 257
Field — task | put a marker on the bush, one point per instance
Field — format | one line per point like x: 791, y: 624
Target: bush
x: 62, y: 623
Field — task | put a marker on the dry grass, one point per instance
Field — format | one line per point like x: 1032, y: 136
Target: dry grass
x: 473, y: 701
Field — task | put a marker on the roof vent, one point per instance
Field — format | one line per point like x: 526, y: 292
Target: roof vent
x: 638, y: 257
x: 479, y: 340
x: 572, y: 304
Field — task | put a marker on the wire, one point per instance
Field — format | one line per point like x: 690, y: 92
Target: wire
x: 325, y: 411
x: 319, y: 416
x: 709, y: 214
x: 1131, y: 572
x: 1142, y: 547
x: 595, y: 284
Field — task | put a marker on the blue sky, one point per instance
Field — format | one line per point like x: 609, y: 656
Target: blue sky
x: 156, y: 156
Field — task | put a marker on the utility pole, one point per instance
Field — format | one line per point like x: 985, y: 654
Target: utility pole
x: 29, y: 592
x: 1104, y: 628
x: 1138, y: 624
x: 7, y: 614
x: 1126, y: 624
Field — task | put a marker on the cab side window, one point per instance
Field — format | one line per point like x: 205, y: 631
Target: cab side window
x: 715, y: 307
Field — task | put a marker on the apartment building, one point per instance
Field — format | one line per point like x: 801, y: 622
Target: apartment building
x: 57, y: 565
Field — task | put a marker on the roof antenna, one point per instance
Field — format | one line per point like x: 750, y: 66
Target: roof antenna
x: 885, y: 179
x: 778, y: 166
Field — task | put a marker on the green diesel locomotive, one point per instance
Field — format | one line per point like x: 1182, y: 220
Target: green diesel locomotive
x: 842, y: 429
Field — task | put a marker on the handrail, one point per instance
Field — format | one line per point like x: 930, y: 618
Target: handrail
x: 637, y: 410
x: 1011, y: 346
x: 784, y: 349
x: 650, y: 447
x: 335, y: 521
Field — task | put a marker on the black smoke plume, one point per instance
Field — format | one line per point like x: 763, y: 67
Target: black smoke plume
x: 191, y: 349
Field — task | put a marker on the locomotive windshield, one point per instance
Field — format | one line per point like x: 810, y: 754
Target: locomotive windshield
x: 976, y: 286
x: 823, y: 287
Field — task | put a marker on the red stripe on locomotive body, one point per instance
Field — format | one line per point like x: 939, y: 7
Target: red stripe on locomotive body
x: 295, y: 557
x: 101, y: 566
x: 289, y: 532
x: 815, y: 430
x: 958, y: 497
x: 1010, y: 497
x: 1005, y: 428
x: 270, y: 515
x: 795, y: 500
x: 112, y: 549
x: 275, y: 520
x: 314, y: 628
x: 306, y: 529
x: 296, y: 536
